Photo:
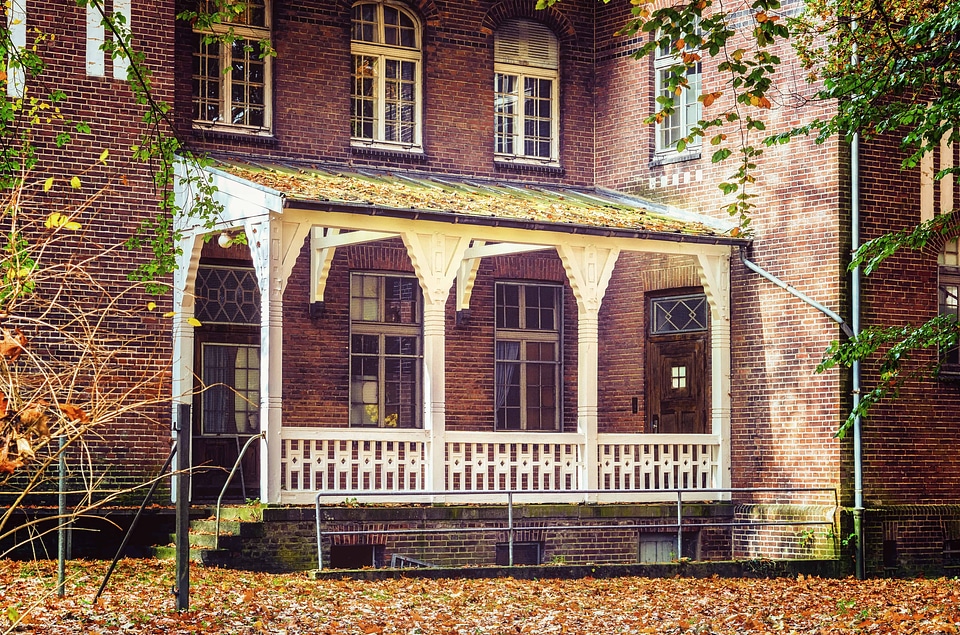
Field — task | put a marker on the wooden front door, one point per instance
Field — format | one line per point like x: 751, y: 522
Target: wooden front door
x: 677, y: 380
x: 677, y: 385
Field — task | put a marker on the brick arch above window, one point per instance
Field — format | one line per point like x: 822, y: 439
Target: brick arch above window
x: 509, y: 9
x: 426, y: 9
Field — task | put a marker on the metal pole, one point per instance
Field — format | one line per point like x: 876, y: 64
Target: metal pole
x: 183, y: 507
x: 319, y: 535
x: 679, y: 525
x: 510, y: 526
x: 133, y: 524
x: 855, y: 319
x: 61, y: 518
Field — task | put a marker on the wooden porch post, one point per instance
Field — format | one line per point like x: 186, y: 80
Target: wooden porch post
x: 589, y: 269
x: 436, y: 258
x: 715, y: 276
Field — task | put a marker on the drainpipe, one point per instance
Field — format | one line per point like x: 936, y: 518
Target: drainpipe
x: 855, y: 319
x: 752, y: 266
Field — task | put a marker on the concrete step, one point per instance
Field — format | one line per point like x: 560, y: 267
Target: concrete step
x: 206, y: 557
x: 228, y: 528
x: 209, y: 541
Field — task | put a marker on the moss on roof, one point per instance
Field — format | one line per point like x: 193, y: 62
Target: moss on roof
x: 495, y: 199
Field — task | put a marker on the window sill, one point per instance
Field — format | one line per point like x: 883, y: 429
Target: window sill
x: 519, y: 165
x: 223, y: 133
x: 666, y: 158
x: 389, y: 152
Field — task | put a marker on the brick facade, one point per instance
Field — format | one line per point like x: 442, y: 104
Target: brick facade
x: 783, y: 416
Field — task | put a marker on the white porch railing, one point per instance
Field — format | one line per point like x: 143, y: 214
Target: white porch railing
x: 632, y: 467
x: 325, y: 459
x: 652, y: 462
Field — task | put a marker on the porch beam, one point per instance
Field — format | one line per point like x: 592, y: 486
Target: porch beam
x: 467, y: 276
x: 589, y: 269
x: 482, y: 250
x: 336, y: 239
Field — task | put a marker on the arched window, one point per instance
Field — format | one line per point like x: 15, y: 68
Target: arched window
x: 231, y: 76
x: 949, y: 292
x: 526, y: 92
x: 386, y: 92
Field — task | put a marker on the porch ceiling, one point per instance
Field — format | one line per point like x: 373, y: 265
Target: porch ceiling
x: 460, y: 199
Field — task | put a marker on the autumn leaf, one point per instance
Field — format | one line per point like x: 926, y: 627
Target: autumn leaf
x: 57, y: 220
x: 48, y: 184
x: 23, y: 448
x: 74, y: 413
x: 12, y: 344
x: 75, y: 183
x: 194, y: 322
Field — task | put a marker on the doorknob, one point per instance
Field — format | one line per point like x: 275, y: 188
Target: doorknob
x: 654, y: 423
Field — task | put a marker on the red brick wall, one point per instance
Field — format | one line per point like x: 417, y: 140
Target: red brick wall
x: 130, y: 449
x: 312, y: 89
x: 783, y: 416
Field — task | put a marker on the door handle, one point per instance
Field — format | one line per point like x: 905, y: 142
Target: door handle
x: 655, y: 424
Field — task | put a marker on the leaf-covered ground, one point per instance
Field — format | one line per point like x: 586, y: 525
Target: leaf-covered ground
x: 139, y: 600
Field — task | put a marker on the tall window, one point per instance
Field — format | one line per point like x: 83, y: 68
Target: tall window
x: 949, y: 292
x: 525, y: 93
x: 385, y: 355
x: 231, y: 81
x: 385, y: 95
x: 527, y: 357
x: 231, y: 400
x: 686, y: 111
x: 228, y: 305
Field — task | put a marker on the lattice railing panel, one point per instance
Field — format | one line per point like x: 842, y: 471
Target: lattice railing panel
x: 517, y: 466
x: 658, y: 466
x: 342, y: 465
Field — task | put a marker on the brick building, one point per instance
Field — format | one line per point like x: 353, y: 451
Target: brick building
x: 470, y: 267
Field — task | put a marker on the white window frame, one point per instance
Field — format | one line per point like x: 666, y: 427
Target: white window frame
x: 536, y: 67
x: 381, y: 328
x: 382, y: 52
x: 526, y: 335
x: 252, y: 34
x: 664, y: 59
x: 948, y: 301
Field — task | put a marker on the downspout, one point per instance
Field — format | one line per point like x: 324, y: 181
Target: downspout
x: 855, y: 319
x: 752, y: 266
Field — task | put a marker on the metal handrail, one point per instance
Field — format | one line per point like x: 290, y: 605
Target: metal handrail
x: 511, y: 529
x: 216, y: 537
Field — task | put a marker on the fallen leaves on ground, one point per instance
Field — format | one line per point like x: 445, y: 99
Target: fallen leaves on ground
x: 139, y: 599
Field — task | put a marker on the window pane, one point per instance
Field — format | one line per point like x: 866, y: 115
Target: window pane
x: 231, y: 401
x: 206, y: 83
x: 364, y: 22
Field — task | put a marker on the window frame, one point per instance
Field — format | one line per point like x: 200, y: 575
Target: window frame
x: 249, y: 396
x: 241, y: 31
x: 382, y: 52
x: 382, y: 329
x: 547, y: 71
x: 523, y: 335
x: 948, y: 275
x: 665, y: 61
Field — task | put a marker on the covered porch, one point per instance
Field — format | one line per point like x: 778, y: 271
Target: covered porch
x: 447, y: 228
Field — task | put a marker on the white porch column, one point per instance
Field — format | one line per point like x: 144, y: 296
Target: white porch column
x: 589, y: 269
x: 264, y: 239
x: 436, y: 258
x: 184, y: 278
x: 715, y: 276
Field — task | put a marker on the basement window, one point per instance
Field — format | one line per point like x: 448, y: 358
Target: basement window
x: 356, y: 556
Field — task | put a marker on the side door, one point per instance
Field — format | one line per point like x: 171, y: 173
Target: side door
x: 677, y: 378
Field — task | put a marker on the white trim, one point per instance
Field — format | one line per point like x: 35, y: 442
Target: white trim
x: 17, y: 25
x: 95, y: 39
x: 121, y: 64
x: 521, y: 73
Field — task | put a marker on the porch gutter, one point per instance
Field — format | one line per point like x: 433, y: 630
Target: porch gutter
x: 752, y: 266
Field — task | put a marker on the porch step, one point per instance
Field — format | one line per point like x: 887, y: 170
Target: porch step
x: 236, y: 525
